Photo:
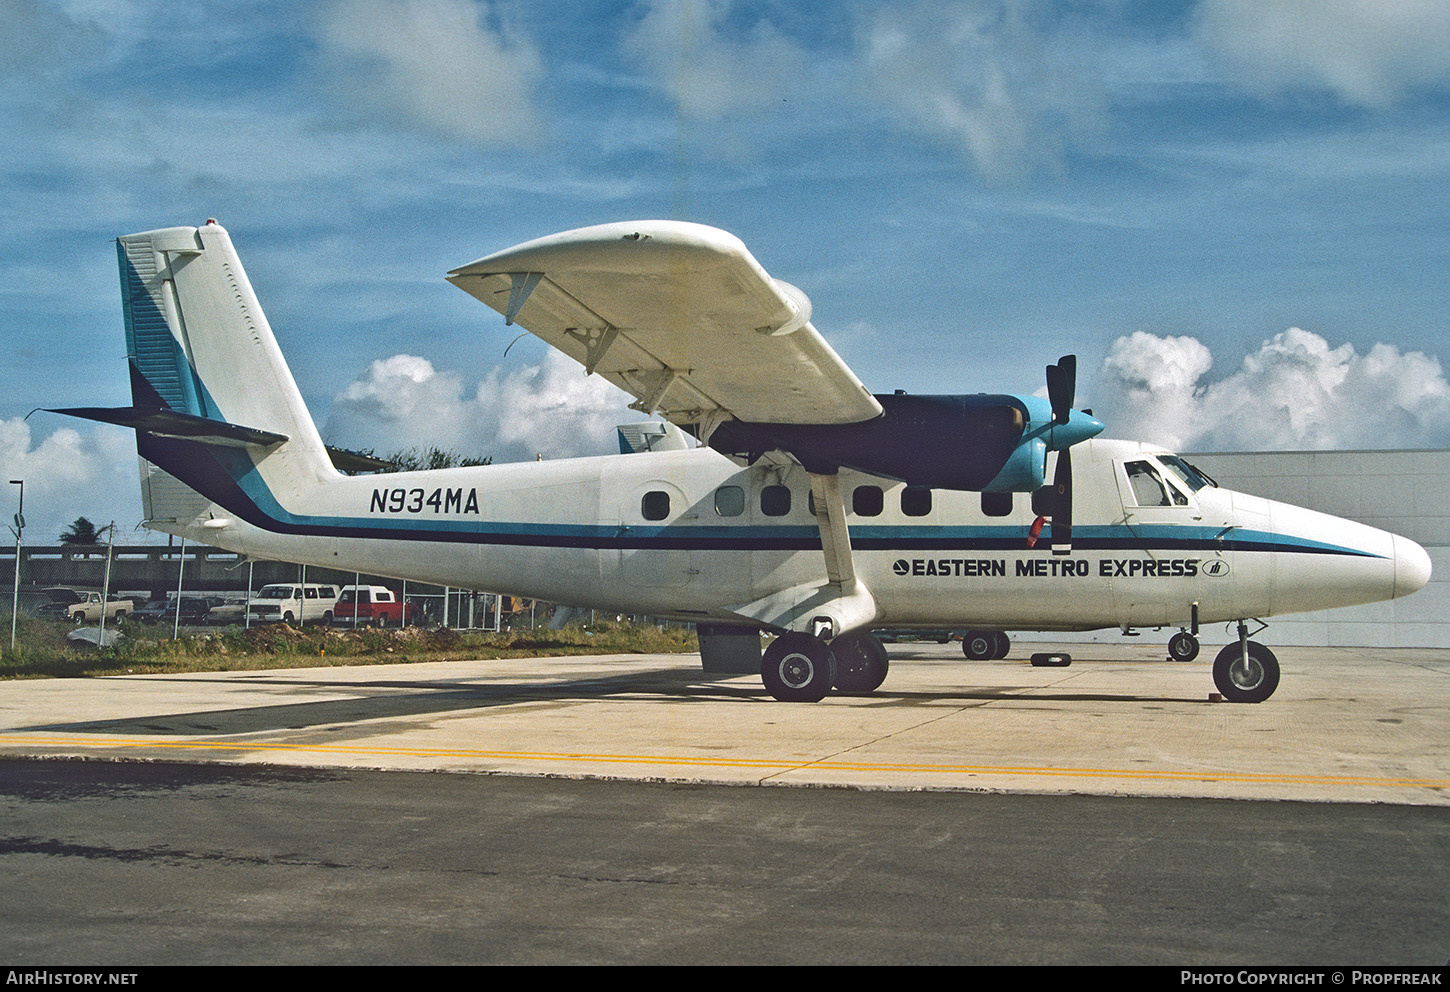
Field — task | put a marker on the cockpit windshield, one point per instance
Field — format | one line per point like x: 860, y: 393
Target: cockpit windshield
x: 1193, y: 478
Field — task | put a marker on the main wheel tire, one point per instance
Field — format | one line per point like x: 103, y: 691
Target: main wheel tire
x: 861, y: 662
x: 798, y: 668
x: 979, y: 645
x: 1183, y: 646
x: 1004, y: 645
x: 1253, y: 682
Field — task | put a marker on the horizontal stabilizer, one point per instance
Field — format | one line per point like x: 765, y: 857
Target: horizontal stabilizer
x: 353, y: 462
x: 170, y: 423
x: 662, y: 436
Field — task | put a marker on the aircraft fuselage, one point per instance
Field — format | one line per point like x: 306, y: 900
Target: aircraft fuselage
x: 697, y: 536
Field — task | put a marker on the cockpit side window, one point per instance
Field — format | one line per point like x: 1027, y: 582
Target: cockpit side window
x: 1148, y: 488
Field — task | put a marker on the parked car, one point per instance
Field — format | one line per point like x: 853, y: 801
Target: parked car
x: 194, y: 609
x: 228, y: 612
x: 83, y: 606
x: 293, y: 602
x: 377, y: 605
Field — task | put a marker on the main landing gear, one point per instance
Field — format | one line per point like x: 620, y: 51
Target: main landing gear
x: 1245, y: 671
x: 799, y: 668
x: 986, y: 645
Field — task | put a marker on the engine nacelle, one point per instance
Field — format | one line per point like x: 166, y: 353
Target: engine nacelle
x: 977, y: 443
x: 1025, y: 469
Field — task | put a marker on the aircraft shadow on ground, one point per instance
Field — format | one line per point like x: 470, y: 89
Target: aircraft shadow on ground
x: 359, y: 706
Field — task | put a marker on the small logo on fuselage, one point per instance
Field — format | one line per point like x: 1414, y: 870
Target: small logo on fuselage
x: 1217, y: 568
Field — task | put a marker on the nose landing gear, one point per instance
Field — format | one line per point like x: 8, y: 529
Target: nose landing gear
x: 1246, y: 671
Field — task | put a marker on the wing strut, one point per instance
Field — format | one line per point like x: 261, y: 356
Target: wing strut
x: 850, y: 603
x: 835, y: 536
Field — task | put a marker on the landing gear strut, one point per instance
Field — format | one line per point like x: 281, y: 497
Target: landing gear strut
x: 1246, y: 671
x: 1183, y: 646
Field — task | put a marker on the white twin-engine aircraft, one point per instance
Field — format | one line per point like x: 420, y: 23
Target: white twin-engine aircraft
x: 811, y: 508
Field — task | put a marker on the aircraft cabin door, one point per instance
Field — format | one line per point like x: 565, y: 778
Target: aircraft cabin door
x: 654, y: 548
x: 1158, y: 588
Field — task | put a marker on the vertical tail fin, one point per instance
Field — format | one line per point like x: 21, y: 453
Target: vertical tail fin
x: 197, y: 340
x: 213, y: 402
x: 207, y: 376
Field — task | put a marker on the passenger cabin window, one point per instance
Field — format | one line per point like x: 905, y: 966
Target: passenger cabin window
x: 775, y: 501
x: 310, y: 594
x: 915, y: 501
x: 655, y: 505
x: 1149, y: 489
x: 730, y: 501
x: 867, y: 501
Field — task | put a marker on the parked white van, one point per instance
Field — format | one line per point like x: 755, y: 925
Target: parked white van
x: 290, y: 602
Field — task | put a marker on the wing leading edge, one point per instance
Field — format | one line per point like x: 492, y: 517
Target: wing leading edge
x: 681, y: 316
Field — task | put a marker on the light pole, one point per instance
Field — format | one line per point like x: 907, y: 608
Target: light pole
x: 19, y: 530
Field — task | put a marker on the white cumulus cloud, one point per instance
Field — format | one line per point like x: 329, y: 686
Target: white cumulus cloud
x: 1295, y: 392
x: 550, y: 409
x: 70, y: 474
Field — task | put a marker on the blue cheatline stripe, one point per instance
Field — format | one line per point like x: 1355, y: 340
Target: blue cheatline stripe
x: 234, y: 483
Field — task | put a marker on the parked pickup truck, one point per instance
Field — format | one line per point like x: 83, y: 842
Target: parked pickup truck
x: 372, y: 605
x: 86, y: 607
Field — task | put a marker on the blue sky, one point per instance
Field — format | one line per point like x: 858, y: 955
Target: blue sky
x: 1236, y: 212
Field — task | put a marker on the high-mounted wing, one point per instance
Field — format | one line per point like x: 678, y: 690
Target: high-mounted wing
x: 680, y: 316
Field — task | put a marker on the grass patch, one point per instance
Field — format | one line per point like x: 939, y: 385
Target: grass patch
x: 42, y: 650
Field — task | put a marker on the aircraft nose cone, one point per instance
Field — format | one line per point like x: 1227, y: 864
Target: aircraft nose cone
x: 1412, y: 567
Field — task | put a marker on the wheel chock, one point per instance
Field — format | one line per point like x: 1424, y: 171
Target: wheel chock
x: 1051, y: 659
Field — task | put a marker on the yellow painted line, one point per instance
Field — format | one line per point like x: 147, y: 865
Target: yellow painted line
x: 759, y: 764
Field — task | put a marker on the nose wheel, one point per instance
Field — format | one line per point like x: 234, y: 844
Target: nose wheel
x: 1246, y: 671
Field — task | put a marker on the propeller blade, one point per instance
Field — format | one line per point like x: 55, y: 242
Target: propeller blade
x: 1062, y: 387
x: 1062, y: 511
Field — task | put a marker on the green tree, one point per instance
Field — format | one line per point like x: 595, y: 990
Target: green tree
x: 82, y: 531
x: 431, y: 457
